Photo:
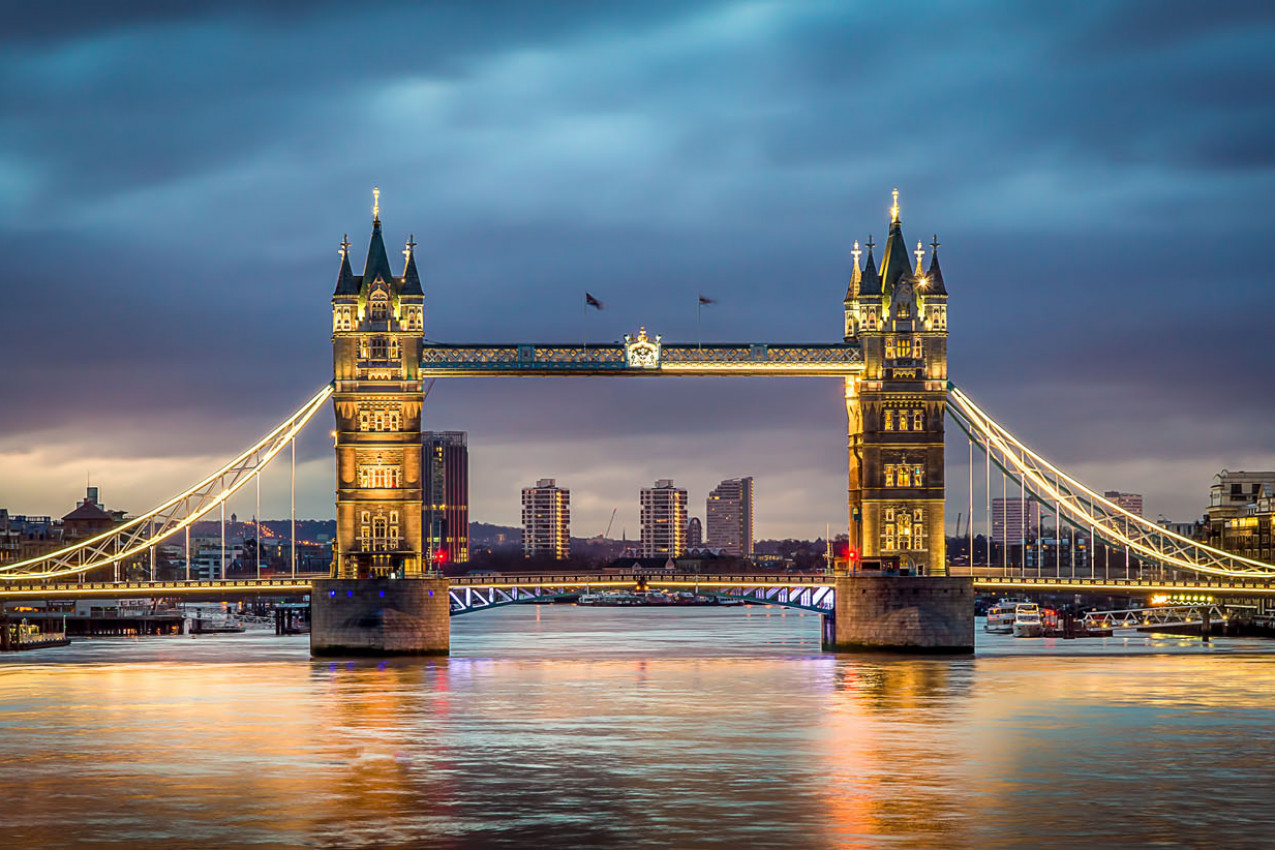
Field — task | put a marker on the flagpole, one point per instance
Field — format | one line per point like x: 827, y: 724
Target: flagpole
x: 699, y: 335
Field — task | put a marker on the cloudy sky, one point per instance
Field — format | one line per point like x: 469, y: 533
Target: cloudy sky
x: 174, y: 184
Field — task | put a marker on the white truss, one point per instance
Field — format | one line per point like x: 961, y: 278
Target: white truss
x: 1161, y: 615
x: 1085, y: 508
x: 134, y: 537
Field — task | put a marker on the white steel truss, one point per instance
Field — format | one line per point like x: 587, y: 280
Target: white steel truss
x: 1086, y: 509
x: 1160, y: 615
x: 133, y: 538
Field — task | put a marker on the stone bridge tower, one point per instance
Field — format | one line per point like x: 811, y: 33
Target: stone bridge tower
x: 377, y: 331
x: 896, y: 408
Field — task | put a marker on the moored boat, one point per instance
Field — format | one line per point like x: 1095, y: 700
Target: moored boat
x: 1027, y: 622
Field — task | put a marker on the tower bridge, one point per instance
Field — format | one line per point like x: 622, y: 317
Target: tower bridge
x: 891, y: 358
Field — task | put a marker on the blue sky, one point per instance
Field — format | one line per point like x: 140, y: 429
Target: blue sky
x: 174, y: 183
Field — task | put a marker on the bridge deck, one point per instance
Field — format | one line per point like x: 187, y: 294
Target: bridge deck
x: 302, y: 584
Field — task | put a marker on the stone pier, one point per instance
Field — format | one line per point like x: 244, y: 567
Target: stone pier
x: 912, y: 614
x: 379, y: 617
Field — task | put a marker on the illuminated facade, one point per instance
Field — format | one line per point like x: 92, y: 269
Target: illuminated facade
x: 377, y: 326
x: 663, y: 520
x: 896, y: 407
x: 1131, y: 502
x: 445, y: 496
x: 546, y: 520
x: 729, y: 517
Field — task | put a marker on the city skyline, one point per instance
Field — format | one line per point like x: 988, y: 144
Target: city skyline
x: 208, y: 264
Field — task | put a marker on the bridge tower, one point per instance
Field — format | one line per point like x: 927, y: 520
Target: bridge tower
x: 896, y: 407
x: 377, y: 334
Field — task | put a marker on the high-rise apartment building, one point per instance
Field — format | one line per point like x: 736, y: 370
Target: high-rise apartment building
x: 546, y: 520
x: 1131, y: 502
x: 730, y: 517
x: 1014, y: 520
x: 663, y: 520
x: 445, y: 496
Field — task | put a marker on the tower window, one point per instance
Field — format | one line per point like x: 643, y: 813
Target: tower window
x: 918, y: 420
x: 889, y: 420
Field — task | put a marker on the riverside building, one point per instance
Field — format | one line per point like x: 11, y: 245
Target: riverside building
x: 663, y: 519
x: 445, y: 496
x: 729, y: 513
x: 546, y: 520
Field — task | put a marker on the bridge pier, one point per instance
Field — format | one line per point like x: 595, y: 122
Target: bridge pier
x: 380, y: 617
x: 912, y: 614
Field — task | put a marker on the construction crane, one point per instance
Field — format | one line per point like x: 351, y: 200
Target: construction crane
x: 611, y: 523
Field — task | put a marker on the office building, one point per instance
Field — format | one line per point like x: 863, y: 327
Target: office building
x: 694, y: 533
x: 729, y: 515
x: 663, y: 519
x: 1008, y: 517
x: 546, y: 520
x: 1131, y: 502
x: 445, y: 496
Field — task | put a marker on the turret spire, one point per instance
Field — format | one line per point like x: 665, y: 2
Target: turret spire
x: 870, y: 281
x: 411, y: 280
x: 856, y: 276
x: 920, y: 256
x: 934, y: 277
x: 345, y: 284
x: 376, y: 204
x: 894, y: 262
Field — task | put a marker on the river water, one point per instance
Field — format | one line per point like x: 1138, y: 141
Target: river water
x: 558, y: 726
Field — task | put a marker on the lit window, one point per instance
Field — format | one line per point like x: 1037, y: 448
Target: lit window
x: 889, y: 420
x: 918, y: 477
x: 918, y: 420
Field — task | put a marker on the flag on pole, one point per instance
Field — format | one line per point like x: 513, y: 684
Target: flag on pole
x: 590, y: 301
x: 706, y: 300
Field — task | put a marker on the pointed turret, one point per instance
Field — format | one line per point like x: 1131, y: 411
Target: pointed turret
x: 411, y: 280
x: 870, y: 282
x: 345, y: 282
x: 378, y: 262
x: 934, y: 276
x: 895, y: 263
x: 856, y: 276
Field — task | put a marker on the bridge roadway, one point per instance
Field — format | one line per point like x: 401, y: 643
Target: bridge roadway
x: 771, y: 588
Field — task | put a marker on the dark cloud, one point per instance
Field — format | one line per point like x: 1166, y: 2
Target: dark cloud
x: 174, y: 179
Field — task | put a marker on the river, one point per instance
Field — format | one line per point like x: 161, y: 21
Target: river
x: 558, y: 726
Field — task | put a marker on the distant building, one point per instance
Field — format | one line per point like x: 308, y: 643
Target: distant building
x: 1191, y: 530
x: 546, y: 520
x: 89, y: 518
x: 694, y: 533
x: 445, y: 496
x: 1232, y: 492
x: 1131, y: 502
x: 1013, y: 522
x: 729, y: 515
x: 663, y: 519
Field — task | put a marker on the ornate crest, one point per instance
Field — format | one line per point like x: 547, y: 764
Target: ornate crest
x: 640, y: 352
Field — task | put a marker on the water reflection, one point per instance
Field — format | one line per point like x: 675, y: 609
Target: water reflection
x: 569, y: 727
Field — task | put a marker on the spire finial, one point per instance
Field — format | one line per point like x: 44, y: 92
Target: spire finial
x: 920, y: 254
x: 345, y: 246
x: 935, y: 244
x: 410, y: 247
x: 870, y: 243
x: 855, y: 252
x: 894, y: 210
x: 376, y: 204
